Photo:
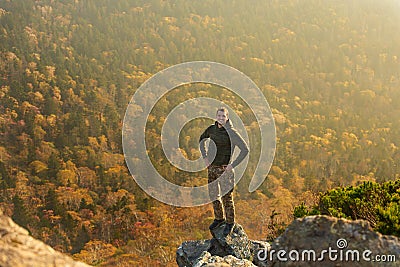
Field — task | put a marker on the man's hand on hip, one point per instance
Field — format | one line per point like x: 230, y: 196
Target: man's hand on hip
x: 229, y: 167
x: 207, y: 162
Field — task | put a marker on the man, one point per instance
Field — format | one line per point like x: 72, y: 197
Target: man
x: 226, y: 138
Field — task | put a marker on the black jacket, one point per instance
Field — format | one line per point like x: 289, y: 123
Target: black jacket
x: 226, y: 139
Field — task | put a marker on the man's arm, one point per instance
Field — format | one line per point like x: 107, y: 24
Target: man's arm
x: 244, y: 150
x: 202, y: 143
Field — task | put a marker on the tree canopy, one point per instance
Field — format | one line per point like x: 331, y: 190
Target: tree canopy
x: 330, y: 71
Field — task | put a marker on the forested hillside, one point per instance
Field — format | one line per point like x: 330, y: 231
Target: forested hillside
x: 330, y: 71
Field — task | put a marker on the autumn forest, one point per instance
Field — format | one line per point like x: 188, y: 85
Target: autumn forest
x: 330, y: 71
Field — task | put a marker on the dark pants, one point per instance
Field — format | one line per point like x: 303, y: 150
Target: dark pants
x: 224, y: 203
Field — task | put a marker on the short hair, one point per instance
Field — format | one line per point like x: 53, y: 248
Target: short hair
x: 223, y: 109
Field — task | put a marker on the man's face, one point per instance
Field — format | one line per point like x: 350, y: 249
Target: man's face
x: 222, y: 117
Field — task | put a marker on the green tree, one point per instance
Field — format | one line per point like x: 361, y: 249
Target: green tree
x: 81, y: 239
x: 6, y: 181
x: 20, y: 215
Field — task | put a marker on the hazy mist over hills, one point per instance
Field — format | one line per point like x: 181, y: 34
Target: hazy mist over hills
x: 330, y: 71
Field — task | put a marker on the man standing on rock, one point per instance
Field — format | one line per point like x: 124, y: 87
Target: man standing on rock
x: 225, y: 138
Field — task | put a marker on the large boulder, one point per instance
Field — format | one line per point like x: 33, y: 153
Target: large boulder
x: 328, y: 241
x: 18, y: 249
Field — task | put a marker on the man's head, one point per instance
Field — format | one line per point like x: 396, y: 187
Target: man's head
x: 222, y: 115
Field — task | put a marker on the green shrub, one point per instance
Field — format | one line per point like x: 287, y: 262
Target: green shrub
x: 377, y: 203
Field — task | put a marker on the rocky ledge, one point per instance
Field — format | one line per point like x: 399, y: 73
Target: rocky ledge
x: 232, y: 250
x: 18, y: 249
x: 310, y: 241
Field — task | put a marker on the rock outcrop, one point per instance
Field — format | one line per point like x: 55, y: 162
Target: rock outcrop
x: 235, y: 250
x: 310, y: 241
x: 216, y: 261
x: 18, y: 249
x: 334, y: 242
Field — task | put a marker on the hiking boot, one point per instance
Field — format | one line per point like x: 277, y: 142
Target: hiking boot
x: 228, y: 228
x: 216, y: 223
